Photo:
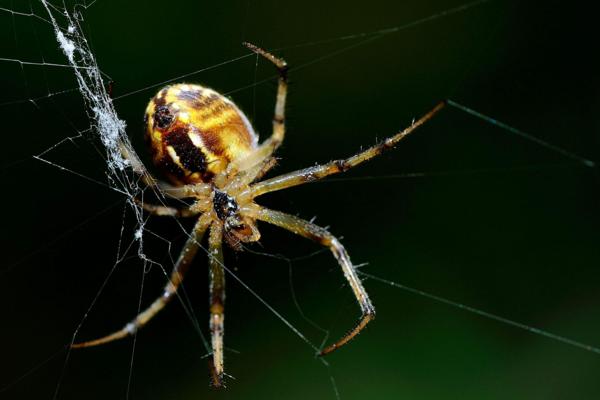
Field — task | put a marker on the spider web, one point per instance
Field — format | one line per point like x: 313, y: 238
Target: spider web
x: 106, y: 134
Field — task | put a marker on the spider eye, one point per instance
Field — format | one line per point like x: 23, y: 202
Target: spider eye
x: 163, y: 117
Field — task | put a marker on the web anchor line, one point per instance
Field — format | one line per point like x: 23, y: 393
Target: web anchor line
x: 486, y: 314
x: 524, y: 135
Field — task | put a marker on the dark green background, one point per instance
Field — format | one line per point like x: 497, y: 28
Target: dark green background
x: 515, y: 233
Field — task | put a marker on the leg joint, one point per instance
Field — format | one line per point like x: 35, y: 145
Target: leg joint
x: 342, y: 165
x: 369, y: 312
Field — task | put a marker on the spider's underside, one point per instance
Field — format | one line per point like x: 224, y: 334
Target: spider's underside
x: 207, y: 148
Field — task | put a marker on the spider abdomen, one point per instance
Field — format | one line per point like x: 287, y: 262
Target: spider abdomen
x: 195, y: 132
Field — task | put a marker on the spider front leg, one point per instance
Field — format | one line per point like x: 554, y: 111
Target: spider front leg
x: 217, y: 301
x: 183, y: 262
x: 323, y: 237
x: 279, y: 118
x: 334, y: 167
x: 266, y: 149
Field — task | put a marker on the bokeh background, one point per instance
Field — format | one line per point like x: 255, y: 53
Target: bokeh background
x: 494, y: 222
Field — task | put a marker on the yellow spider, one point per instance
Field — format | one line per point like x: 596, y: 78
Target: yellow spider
x: 209, y: 151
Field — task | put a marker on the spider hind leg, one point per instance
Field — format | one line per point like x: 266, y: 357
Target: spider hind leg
x: 268, y: 147
x: 181, y: 266
x: 323, y: 237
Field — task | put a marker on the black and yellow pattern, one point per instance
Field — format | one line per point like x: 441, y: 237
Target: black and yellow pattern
x: 195, y: 132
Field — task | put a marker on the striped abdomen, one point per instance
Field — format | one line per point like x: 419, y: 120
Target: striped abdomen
x: 194, y: 133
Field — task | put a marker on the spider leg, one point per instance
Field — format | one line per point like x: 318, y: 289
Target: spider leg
x: 217, y: 300
x: 322, y: 236
x: 260, y: 170
x: 178, y: 192
x: 183, y: 262
x: 279, y: 118
x: 166, y: 211
x: 198, y: 191
x: 136, y: 165
x: 334, y: 167
x: 267, y: 148
x: 264, y: 168
x: 242, y: 180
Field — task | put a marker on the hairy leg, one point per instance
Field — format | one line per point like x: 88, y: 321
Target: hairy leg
x: 266, y: 149
x: 217, y: 300
x: 334, y: 167
x: 241, y: 181
x: 166, y: 211
x: 279, y: 118
x: 322, y: 236
x: 201, y: 193
x: 136, y: 165
x: 197, y: 190
x: 183, y: 262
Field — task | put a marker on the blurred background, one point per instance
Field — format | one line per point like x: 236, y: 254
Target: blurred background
x: 463, y: 209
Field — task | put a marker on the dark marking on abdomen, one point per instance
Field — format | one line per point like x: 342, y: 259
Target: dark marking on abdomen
x: 190, y: 156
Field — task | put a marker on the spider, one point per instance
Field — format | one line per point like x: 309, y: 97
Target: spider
x: 210, y: 153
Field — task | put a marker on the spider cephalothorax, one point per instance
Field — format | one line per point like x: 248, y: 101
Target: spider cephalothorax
x: 237, y: 229
x: 209, y: 151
